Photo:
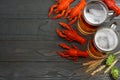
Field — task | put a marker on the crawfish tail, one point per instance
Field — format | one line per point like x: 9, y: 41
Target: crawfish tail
x: 83, y: 54
x: 81, y: 40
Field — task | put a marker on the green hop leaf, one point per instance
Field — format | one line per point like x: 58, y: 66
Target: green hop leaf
x: 115, y: 73
x: 110, y: 60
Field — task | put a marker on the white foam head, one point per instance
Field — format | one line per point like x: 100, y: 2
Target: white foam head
x: 106, y: 39
x: 95, y: 13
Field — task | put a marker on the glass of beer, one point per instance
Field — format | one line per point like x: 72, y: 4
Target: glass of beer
x: 94, y: 14
x: 105, y: 40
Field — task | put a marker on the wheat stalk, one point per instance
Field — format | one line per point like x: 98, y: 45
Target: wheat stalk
x: 94, y: 65
x: 98, y: 70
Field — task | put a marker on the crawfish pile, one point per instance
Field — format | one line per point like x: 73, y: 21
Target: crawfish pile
x: 70, y: 35
x: 62, y: 9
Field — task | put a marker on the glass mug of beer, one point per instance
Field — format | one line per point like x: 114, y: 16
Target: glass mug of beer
x: 105, y: 40
x: 94, y: 14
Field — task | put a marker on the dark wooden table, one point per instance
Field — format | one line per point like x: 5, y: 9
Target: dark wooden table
x: 28, y: 43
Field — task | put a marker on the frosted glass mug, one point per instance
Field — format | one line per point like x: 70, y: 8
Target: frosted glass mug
x: 94, y: 14
x: 105, y: 40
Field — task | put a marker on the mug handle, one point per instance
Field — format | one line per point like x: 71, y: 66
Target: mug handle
x: 113, y: 25
x: 111, y: 5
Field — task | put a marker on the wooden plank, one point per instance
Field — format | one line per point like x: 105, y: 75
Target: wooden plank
x: 24, y: 7
x: 31, y: 29
x: 39, y: 69
x: 31, y: 51
x: 46, y: 71
x: 54, y: 78
x: 27, y: 30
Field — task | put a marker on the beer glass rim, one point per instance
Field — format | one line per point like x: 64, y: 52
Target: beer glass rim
x: 107, y: 50
x: 104, y: 8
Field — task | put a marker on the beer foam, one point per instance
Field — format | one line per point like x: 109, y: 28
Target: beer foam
x: 95, y: 13
x: 106, y: 39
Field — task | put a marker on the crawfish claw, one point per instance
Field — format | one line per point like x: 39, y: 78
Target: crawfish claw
x: 59, y: 15
x: 60, y: 33
x: 64, y: 46
x: 64, y: 25
x: 67, y: 12
x: 72, y: 21
x: 51, y: 9
x: 73, y: 46
x: 62, y: 54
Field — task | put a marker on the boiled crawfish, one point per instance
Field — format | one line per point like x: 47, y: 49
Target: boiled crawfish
x: 75, y: 12
x: 72, y: 52
x: 111, y: 5
x: 69, y: 34
x: 59, y: 8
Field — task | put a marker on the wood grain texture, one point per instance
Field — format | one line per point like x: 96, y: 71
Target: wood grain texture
x: 28, y: 44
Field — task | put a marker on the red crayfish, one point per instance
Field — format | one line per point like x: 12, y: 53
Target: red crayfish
x: 111, y: 5
x: 75, y: 12
x: 59, y: 7
x: 69, y: 34
x: 72, y: 52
